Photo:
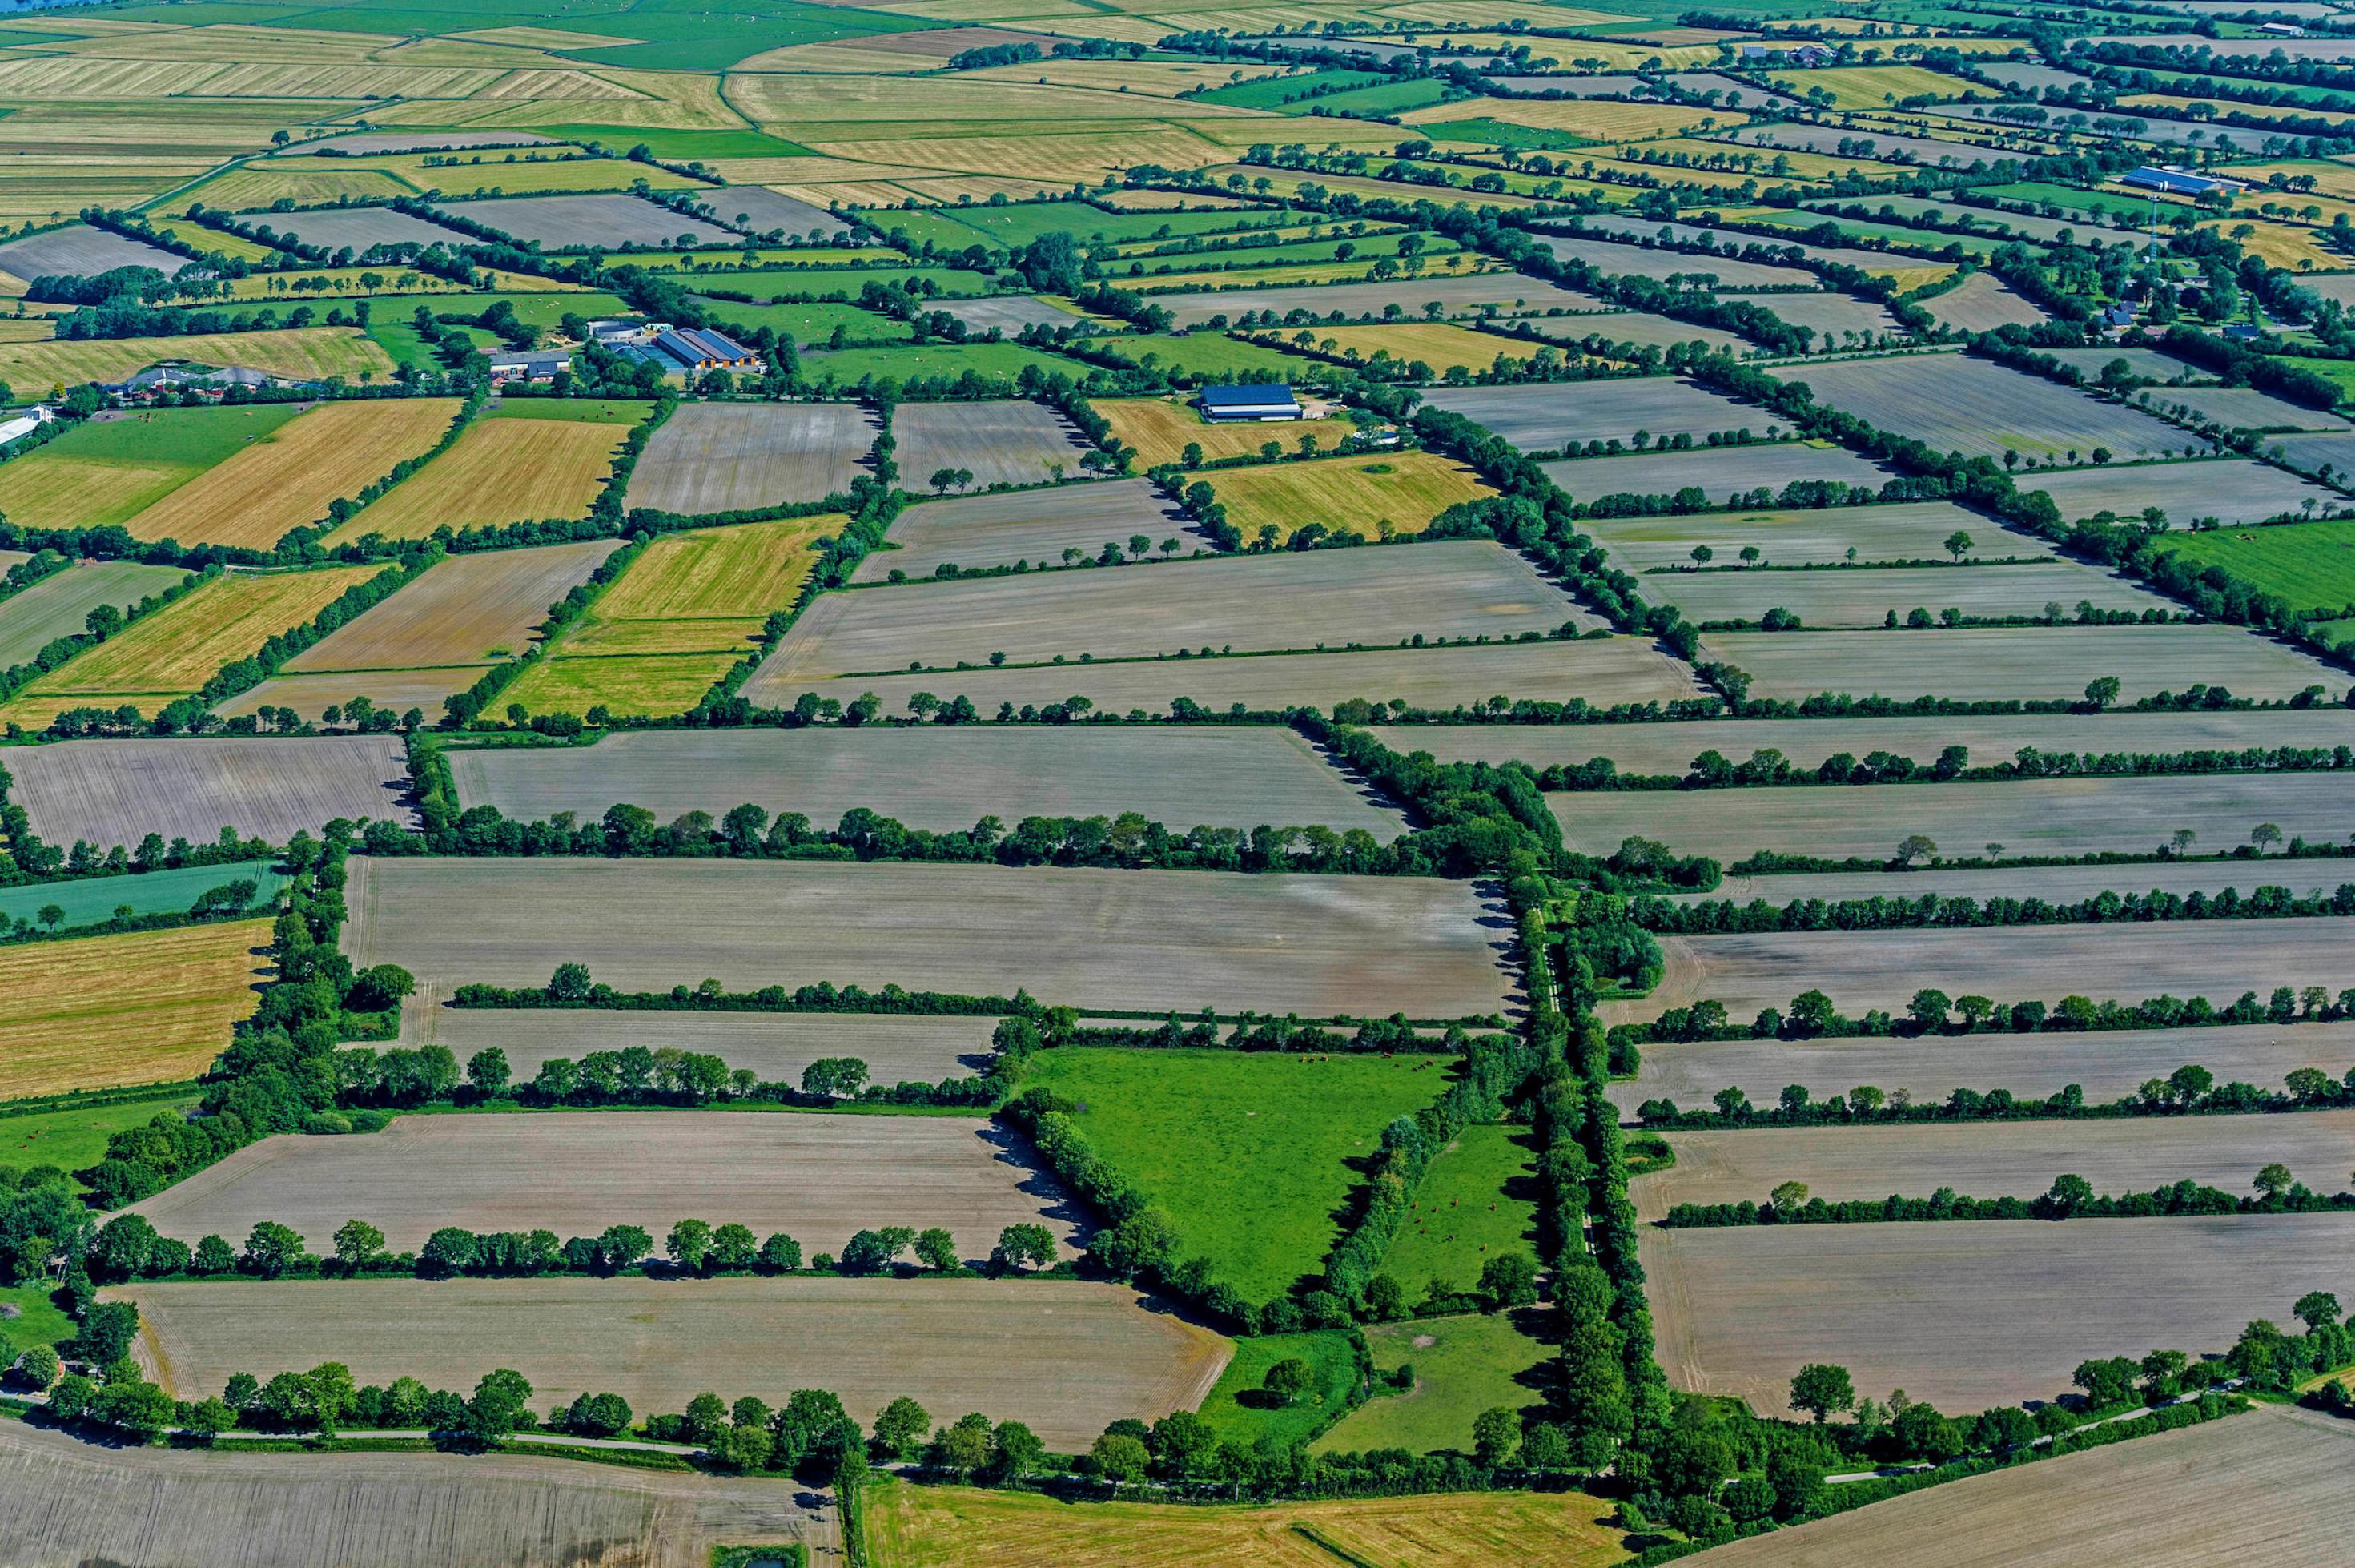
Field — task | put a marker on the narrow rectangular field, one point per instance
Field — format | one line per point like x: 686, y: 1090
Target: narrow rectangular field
x: 1861, y: 599
x: 397, y: 691
x: 1377, y: 595
x: 1098, y: 939
x: 938, y: 778
x: 2057, y: 884
x: 725, y: 457
x: 1721, y: 474
x: 2230, y: 490
x: 172, y: 653
x: 2276, y: 1475
x: 1012, y: 441
x: 1956, y: 402
x: 2029, y: 816
x: 1861, y: 970
x: 1995, y: 1159
x: 1376, y: 497
x: 286, y: 478
x: 2107, y: 1066
x: 1817, y: 536
x: 819, y: 1179
x: 64, y: 1498
x: 358, y: 228
x: 60, y: 605
x: 914, y: 1049
x: 466, y: 610
x: 1360, y: 302
x: 2239, y: 407
x: 1633, y: 326
x: 520, y: 462
x: 1972, y: 1314
x: 1668, y: 749
x: 576, y: 222
x: 1161, y: 428
x: 1619, y: 260
x: 1547, y: 417
x: 301, y: 353
x: 977, y: 532
x: 1062, y: 1355
x: 106, y: 1012
x: 1603, y: 670
x: 79, y: 250
x: 115, y: 791
x: 1992, y: 663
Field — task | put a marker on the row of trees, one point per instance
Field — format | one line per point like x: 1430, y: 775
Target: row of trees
x: 2068, y: 1198
x: 1812, y: 1015
x: 1882, y: 913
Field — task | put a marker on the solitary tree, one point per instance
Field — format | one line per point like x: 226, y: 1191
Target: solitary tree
x: 1958, y: 544
x: 2274, y: 1179
x: 2264, y: 836
x: 1916, y: 847
x: 2103, y: 691
x: 1823, y: 1391
x: 1788, y: 1196
x: 1287, y: 1380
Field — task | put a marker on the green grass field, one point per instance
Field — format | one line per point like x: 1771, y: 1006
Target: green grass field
x: 1273, y: 92
x: 1249, y: 1152
x: 109, y: 470
x: 931, y: 362
x: 2311, y: 565
x: 95, y: 899
x: 677, y: 146
x: 2102, y: 201
x: 811, y: 321
x: 1471, y: 1363
x: 1381, y: 98
x: 74, y: 1139
x: 1504, y: 133
x: 1020, y: 223
x: 1478, y: 1200
x: 1211, y: 356
x: 577, y: 411
x: 1240, y: 1412
x: 791, y: 282
x: 649, y: 684
x: 39, y: 1320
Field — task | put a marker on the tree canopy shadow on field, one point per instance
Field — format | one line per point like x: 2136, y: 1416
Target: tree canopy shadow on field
x: 1056, y: 1201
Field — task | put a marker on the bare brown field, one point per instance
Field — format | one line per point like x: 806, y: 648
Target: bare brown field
x: 1162, y: 428
x: 1956, y: 402
x: 1995, y: 1159
x: 1719, y: 473
x: 936, y: 778
x: 1981, y: 302
x: 562, y: 222
x: 1839, y: 320
x: 1325, y: 598
x: 1814, y: 535
x: 115, y: 791
x: 1546, y: 418
x: 2270, y: 1485
x: 1624, y: 261
x: 1121, y: 940
x: 1865, y: 969
x: 817, y: 1177
x: 2303, y: 878
x: 1863, y: 598
x: 2237, y: 407
x: 2233, y: 490
x: 1007, y: 443
x: 500, y: 471
x: 1669, y: 748
x: 2041, y: 662
x: 1977, y: 1312
x: 286, y: 479
x: 1603, y: 671
x: 66, y: 1499
x: 911, y: 1049
x: 104, y: 1012
x: 976, y: 532
x: 357, y: 226
x: 2107, y: 1066
x: 2036, y: 816
x: 1066, y: 1359
x: 722, y: 457
x: 467, y: 610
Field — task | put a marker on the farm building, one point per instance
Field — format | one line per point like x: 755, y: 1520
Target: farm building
x: 529, y: 366
x: 26, y: 423
x: 700, y: 348
x: 2172, y: 181
x: 1263, y: 403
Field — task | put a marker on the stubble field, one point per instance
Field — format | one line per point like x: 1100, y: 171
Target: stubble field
x: 1866, y: 969
x: 2107, y: 1066
x: 112, y: 467
x: 2034, y: 817
x: 104, y: 1012
x: 466, y: 610
x: 1065, y: 1357
x: 818, y: 1179
x: 1374, y: 497
x: 2003, y: 1159
x: 63, y: 1499
x: 1378, y: 596
x: 1161, y: 430
x: 936, y: 778
x: 1121, y: 940
x: 1009, y: 443
x: 977, y: 532
x: 299, y: 353
x: 115, y: 791
x: 1968, y: 1314
x: 722, y: 457
x: 530, y: 464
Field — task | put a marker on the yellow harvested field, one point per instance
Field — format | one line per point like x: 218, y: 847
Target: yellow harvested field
x: 2280, y: 244
x: 299, y: 353
x: 1403, y: 490
x: 1438, y: 344
x: 287, y: 479
x: 745, y: 570
x: 1161, y: 430
x: 1357, y: 271
x: 501, y: 471
x: 936, y: 1527
x: 1602, y: 118
x: 175, y: 651
x: 1872, y: 86
x: 104, y: 1012
x: 331, y: 180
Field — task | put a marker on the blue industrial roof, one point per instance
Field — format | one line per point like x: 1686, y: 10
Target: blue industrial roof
x: 1246, y: 397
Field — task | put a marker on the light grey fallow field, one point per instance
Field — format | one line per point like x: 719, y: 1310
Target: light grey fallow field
x: 914, y: 1048
x: 2107, y: 1066
x: 1969, y: 1313
x: 937, y: 777
x: 1866, y: 597
x: 1062, y: 1357
x: 1146, y: 941
x: 2303, y: 878
x: 1037, y: 526
x: 2043, y: 662
x: 818, y: 1179
x: 1907, y: 530
x: 1009, y: 441
x: 114, y: 792
x: 722, y: 457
